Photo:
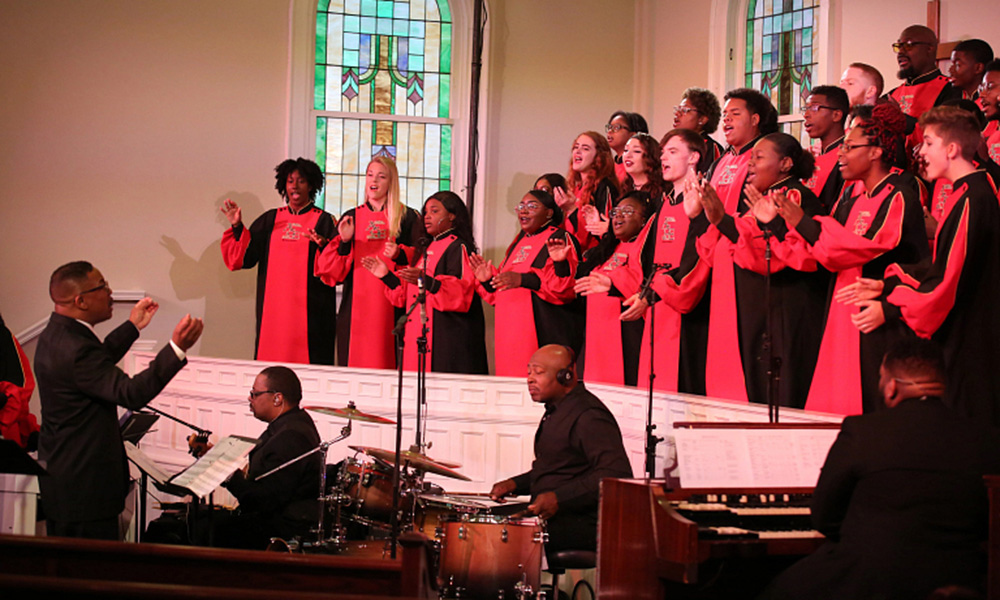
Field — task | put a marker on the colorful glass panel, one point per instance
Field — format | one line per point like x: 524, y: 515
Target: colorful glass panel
x: 781, y: 44
x: 383, y: 59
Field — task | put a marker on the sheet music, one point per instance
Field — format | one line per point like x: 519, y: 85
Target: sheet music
x: 739, y: 458
x: 225, y: 457
x: 145, y: 463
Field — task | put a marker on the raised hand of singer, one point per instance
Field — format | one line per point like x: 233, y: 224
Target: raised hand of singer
x: 558, y: 249
x: 545, y: 505
x: 187, y: 332
x: 346, y: 229
x: 714, y: 209
x: 761, y: 206
x: 481, y: 268
x: 232, y: 211
x: 375, y: 266
x: 317, y: 238
x: 595, y: 283
x: 791, y: 212
x: 409, y: 274
x: 507, y: 280
x: 142, y: 313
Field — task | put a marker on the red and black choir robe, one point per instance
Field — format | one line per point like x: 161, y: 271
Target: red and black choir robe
x: 17, y: 383
x: 604, y: 198
x: 826, y: 181
x: 864, y: 234
x: 713, y: 151
x: 456, y: 329
x: 992, y: 136
x: 363, y: 306
x: 296, y: 311
x: 723, y: 368
x: 797, y: 303
x: 955, y: 301
x: 920, y: 94
x: 943, y: 189
x: 539, y: 312
x: 679, y: 315
x: 611, y: 346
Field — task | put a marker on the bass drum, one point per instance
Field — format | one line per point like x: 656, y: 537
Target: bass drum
x: 490, y: 557
x: 368, y: 490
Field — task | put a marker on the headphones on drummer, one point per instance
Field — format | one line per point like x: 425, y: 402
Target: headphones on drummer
x: 565, y: 375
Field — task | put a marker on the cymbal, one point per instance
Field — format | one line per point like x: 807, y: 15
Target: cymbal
x: 350, y: 412
x: 415, y: 460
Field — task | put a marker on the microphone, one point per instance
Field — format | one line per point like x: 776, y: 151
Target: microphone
x: 422, y: 299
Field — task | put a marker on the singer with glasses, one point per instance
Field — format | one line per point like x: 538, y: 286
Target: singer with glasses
x: 441, y: 278
x: 699, y: 111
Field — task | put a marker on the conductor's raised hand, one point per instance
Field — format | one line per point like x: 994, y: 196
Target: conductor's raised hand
x: 187, y: 332
x: 545, y: 505
x: 346, y: 229
x: 861, y: 290
x: 871, y: 316
x: 558, y: 249
x: 636, y: 308
x: 482, y: 269
x: 791, y: 212
x: 410, y: 274
x: 142, y: 313
x: 502, y: 489
x: 232, y: 211
x: 595, y: 283
x: 375, y: 266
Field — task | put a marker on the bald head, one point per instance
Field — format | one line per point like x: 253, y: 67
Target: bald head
x: 916, y: 51
x: 551, y: 373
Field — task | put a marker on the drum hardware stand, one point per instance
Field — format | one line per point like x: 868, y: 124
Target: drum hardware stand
x: 773, y: 362
x: 337, y: 538
x: 652, y: 440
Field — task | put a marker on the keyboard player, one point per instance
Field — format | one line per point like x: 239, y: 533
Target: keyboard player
x: 901, y: 496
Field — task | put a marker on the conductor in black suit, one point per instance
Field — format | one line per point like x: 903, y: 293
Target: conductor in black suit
x: 901, y: 497
x: 81, y: 387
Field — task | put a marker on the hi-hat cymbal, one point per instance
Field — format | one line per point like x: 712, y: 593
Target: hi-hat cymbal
x: 415, y: 460
x: 350, y: 412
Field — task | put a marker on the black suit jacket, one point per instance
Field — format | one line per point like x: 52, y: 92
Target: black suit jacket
x: 81, y: 387
x: 902, y: 501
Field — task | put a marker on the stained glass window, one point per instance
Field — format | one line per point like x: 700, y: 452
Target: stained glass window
x: 382, y: 88
x: 781, y: 54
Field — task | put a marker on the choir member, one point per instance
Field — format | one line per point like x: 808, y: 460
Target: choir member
x: 954, y: 301
x: 622, y: 126
x: 699, y: 111
x: 680, y: 276
x: 641, y: 160
x: 792, y: 321
x: 989, y: 99
x: 592, y: 189
x: 456, y: 330
x: 866, y: 232
x: 611, y: 272
x: 549, y: 182
x: 824, y: 114
x: 968, y: 63
x: 923, y: 84
x: 863, y: 84
x: 381, y: 225
x: 533, y: 287
x: 296, y: 311
x: 746, y: 116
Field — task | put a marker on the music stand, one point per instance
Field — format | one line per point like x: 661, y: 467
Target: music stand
x: 15, y: 461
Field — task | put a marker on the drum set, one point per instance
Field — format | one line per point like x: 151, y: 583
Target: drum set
x: 483, y: 549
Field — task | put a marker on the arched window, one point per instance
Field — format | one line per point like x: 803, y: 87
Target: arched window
x: 781, y: 55
x: 383, y: 76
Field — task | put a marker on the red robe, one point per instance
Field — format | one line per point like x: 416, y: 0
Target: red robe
x: 863, y: 234
x: 605, y: 346
x: 364, y: 308
x: 679, y: 360
x: 456, y: 336
x: 992, y: 136
x: 723, y: 368
x: 920, y: 94
x: 296, y: 312
x: 954, y: 302
x: 16, y: 386
x: 826, y: 181
x: 538, y: 312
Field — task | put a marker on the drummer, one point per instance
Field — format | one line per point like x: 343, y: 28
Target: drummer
x: 284, y: 504
x: 578, y: 443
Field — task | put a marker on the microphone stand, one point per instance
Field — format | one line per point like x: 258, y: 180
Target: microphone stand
x: 773, y: 362
x: 399, y: 331
x: 646, y: 291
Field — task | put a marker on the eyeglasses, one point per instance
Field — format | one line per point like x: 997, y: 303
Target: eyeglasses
x: 683, y: 110
x: 907, y: 46
x: 985, y: 87
x: 104, y: 286
x: 815, y: 108
x: 845, y: 148
x: 615, y: 128
x: 529, y: 206
x: 625, y: 211
x: 254, y: 393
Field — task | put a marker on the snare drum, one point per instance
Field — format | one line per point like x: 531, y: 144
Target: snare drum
x: 433, y: 509
x: 368, y: 486
x: 484, y: 556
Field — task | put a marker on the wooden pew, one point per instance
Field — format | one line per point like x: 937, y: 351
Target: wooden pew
x: 108, y: 563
